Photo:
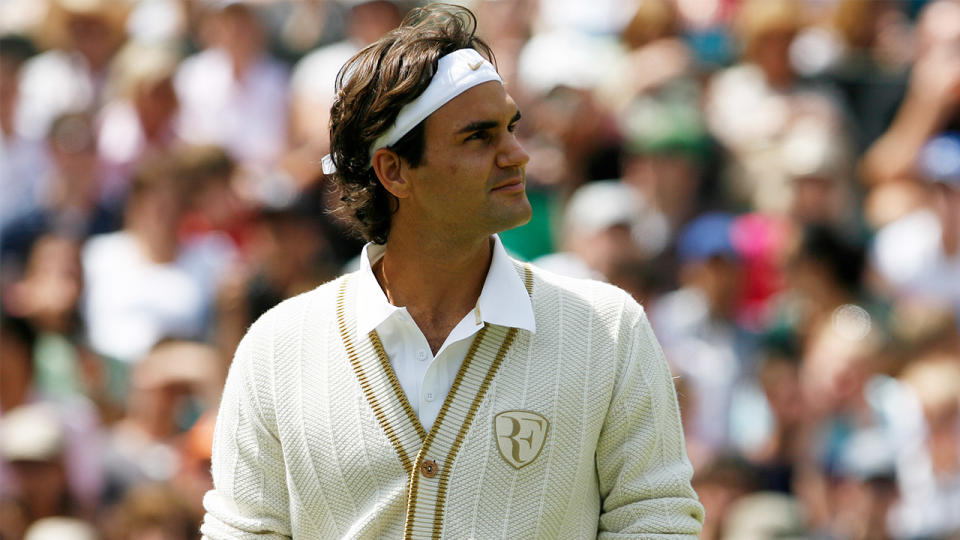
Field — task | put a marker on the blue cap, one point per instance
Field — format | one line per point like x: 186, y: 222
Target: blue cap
x: 939, y: 159
x: 707, y: 236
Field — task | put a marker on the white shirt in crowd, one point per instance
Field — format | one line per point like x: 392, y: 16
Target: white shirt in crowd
x: 909, y: 254
x: 248, y: 117
x: 131, y: 302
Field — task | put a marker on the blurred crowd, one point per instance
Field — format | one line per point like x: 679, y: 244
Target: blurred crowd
x: 776, y: 181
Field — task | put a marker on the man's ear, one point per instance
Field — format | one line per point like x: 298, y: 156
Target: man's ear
x: 388, y: 167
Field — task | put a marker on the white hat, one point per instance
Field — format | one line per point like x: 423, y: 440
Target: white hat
x: 596, y: 206
x: 31, y: 433
x: 60, y: 528
x: 763, y: 515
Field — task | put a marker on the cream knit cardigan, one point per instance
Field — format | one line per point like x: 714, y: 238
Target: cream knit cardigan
x: 315, y: 438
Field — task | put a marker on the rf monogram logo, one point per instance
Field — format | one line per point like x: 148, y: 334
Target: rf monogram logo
x: 520, y: 436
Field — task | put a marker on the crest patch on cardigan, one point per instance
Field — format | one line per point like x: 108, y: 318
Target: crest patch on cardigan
x: 520, y: 436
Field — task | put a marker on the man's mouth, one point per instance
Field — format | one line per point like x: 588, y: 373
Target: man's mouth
x: 513, y: 184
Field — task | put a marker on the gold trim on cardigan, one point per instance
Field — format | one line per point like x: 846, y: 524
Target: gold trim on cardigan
x: 377, y: 380
x: 395, y: 383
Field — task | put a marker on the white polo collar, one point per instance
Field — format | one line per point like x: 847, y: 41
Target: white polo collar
x: 503, y: 300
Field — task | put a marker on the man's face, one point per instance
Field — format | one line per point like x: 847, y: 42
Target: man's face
x: 472, y: 176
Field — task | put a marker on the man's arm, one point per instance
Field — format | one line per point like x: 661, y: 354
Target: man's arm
x: 249, y: 499
x: 642, y: 463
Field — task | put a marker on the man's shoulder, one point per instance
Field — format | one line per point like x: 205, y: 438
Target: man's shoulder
x: 592, y: 293
x: 319, y: 302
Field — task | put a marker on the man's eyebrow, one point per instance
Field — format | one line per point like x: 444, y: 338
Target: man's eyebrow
x: 482, y: 125
x: 478, y: 126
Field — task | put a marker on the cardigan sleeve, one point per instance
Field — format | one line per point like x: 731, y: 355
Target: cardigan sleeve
x: 642, y: 465
x: 249, y: 499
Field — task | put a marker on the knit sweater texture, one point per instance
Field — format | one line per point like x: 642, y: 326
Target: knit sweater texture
x: 569, y: 432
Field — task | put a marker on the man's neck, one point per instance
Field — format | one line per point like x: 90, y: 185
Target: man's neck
x: 438, y: 282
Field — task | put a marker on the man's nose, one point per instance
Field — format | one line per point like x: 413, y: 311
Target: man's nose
x: 512, y: 153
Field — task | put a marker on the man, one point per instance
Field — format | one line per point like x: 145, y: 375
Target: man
x: 444, y: 390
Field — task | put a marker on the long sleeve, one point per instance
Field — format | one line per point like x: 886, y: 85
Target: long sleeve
x: 249, y: 499
x: 642, y: 464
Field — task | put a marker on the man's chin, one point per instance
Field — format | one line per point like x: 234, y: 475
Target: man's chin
x: 521, y: 217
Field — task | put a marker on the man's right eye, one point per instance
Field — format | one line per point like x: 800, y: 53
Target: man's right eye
x: 478, y: 136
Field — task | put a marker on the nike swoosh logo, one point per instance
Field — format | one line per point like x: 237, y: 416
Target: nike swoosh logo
x: 476, y: 66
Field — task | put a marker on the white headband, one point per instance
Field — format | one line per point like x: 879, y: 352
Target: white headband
x: 456, y: 73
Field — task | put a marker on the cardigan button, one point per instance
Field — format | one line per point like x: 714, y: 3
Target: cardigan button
x: 429, y: 468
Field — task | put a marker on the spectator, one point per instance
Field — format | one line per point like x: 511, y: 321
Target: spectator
x: 72, y: 205
x: 32, y: 449
x: 288, y: 257
x: 765, y: 515
x: 312, y: 80
x: 48, y: 297
x: 67, y: 434
x: 768, y: 430
x: 142, y: 284
x: 153, y: 510
x: 753, y: 106
x: 932, y: 103
x: 929, y: 471
x: 868, y: 63
x: 139, y: 117
x: 234, y: 94
x: 61, y: 528
x: 605, y: 225
x: 23, y: 160
x: 700, y: 335
x: 214, y: 212
x: 72, y: 75
x: 919, y: 253
x: 170, y: 387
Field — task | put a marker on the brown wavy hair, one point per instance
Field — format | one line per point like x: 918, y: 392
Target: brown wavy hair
x: 372, y: 87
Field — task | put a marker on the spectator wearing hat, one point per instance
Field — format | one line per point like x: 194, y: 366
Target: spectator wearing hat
x: 82, y: 36
x: 67, y: 432
x: 234, y: 94
x: 928, y: 470
x: 32, y: 448
x: 139, y: 118
x: 605, y: 225
x: 175, y: 382
x: 764, y: 515
x: 755, y: 108
x: 61, y: 528
x: 917, y: 248
x: 701, y: 338
x: 919, y: 254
